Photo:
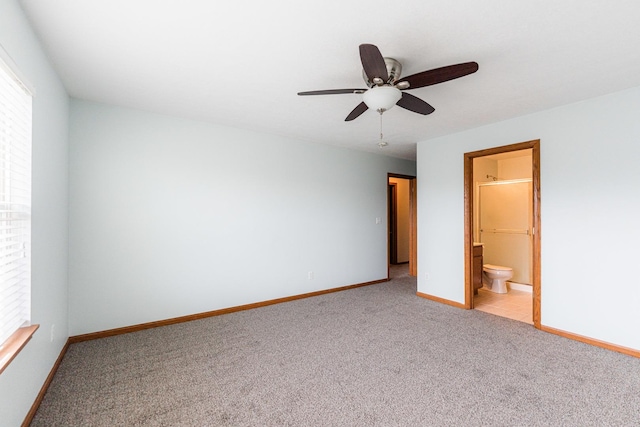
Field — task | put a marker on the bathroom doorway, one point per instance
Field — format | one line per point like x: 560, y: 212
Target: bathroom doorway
x: 401, y: 226
x: 502, y: 229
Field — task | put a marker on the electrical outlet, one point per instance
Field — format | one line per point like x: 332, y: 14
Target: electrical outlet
x: 426, y: 276
x: 310, y: 275
x: 378, y: 220
x: 53, y: 330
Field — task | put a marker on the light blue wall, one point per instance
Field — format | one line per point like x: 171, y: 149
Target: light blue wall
x: 22, y: 380
x: 171, y: 217
x: 590, y: 172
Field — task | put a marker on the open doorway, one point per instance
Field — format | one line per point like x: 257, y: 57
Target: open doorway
x: 502, y: 225
x: 402, y: 219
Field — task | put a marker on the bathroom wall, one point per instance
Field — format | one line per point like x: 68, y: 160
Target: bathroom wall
x: 484, y: 169
x: 515, y: 167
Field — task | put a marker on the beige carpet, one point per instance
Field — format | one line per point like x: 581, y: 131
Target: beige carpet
x: 372, y: 356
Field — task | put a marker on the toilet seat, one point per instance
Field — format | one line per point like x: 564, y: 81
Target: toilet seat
x: 491, y: 267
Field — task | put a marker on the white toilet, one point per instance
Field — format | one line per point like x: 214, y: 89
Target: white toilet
x: 494, y: 277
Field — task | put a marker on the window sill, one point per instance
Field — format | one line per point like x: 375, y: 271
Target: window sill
x: 10, y: 349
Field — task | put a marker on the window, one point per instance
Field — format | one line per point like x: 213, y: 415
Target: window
x: 15, y: 208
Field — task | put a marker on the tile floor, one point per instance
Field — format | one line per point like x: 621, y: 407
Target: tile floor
x: 515, y: 304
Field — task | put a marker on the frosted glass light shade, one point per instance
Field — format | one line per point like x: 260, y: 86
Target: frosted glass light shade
x: 381, y: 97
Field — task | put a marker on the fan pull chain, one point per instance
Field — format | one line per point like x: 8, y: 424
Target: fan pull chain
x: 381, y: 143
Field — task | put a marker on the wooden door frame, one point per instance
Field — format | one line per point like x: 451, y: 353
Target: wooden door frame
x: 534, y: 145
x: 413, y: 222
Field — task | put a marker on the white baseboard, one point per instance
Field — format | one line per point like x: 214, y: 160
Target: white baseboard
x: 520, y: 287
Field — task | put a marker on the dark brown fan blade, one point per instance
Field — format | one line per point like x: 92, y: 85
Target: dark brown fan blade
x: 415, y: 104
x: 373, y: 62
x: 361, y: 108
x: 332, y: 92
x: 440, y: 75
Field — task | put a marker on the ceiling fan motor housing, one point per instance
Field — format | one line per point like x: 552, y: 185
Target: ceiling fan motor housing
x: 394, y: 70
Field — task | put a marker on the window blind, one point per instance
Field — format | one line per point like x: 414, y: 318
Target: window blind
x: 15, y: 203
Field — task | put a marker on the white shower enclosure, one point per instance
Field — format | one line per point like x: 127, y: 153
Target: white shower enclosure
x: 504, y: 226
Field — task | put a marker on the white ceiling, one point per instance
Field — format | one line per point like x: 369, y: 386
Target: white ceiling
x: 241, y: 62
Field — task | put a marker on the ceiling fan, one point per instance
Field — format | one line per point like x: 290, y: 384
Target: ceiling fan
x: 382, y: 76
